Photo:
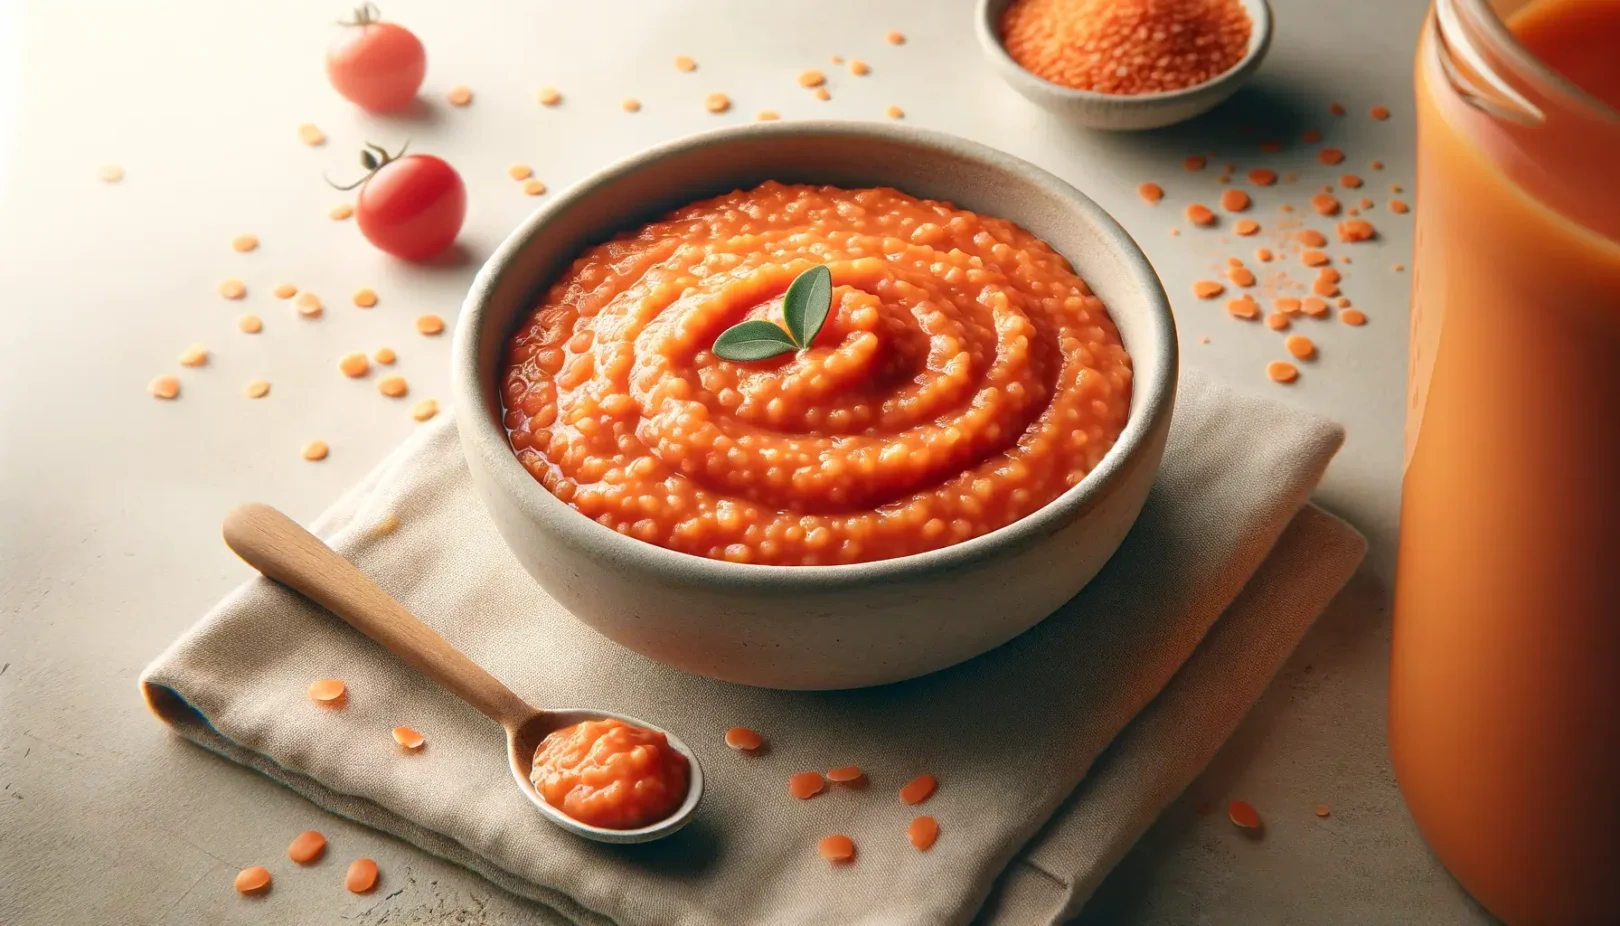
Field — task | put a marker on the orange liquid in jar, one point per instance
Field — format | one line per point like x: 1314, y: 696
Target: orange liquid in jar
x: 1505, y: 676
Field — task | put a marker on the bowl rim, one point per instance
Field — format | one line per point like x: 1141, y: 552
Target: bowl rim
x: 479, y: 408
x: 988, y: 29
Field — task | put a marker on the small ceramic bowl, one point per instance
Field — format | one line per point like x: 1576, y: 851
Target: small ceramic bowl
x: 815, y: 626
x: 1112, y: 111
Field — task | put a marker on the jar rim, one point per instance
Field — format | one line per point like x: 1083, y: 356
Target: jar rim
x: 1479, y: 17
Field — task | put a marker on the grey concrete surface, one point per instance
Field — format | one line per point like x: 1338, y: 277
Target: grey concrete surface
x: 110, y: 502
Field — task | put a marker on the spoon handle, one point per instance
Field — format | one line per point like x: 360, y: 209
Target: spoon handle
x: 274, y: 544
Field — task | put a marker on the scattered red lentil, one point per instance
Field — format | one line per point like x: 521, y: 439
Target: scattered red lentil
x: 1314, y: 307
x: 1301, y: 347
x: 532, y: 187
x: 354, y: 365
x: 837, y: 848
x: 1234, y: 200
x: 1398, y: 267
x: 822, y: 94
x: 717, y: 102
x: 109, y: 173
x: 630, y: 104
x: 1365, y: 203
x: 810, y: 77
x: 1243, y: 307
x: 285, y: 291
x: 429, y: 324
x: 1224, y: 178
x: 1380, y: 113
x: 408, y: 738
x: 548, y: 96
x: 743, y: 738
x: 307, y: 847
x: 771, y: 115
x: 1331, y: 274
x: 1397, y: 207
x: 1242, y: 813
x: 895, y: 112
x: 1310, y: 237
x: 392, y: 386
x: 1199, y: 214
x: 1234, y: 262
x: 315, y: 450
x: 1262, y: 176
x: 1151, y: 193
x: 1354, y: 317
x: 1246, y: 227
x: 1378, y: 165
x: 1336, y: 109
x: 252, y: 880
x: 919, y: 789
x: 327, y: 690
x: 164, y: 387
x: 1277, y: 321
x: 519, y: 172
x: 1330, y: 156
x: 1325, y: 204
x: 194, y: 355
x: 1285, y: 207
x: 1280, y: 371
x: 895, y: 38
x: 1352, y: 230
x: 459, y: 95
x: 1352, y: 210
x: 1126, y: 48
x: 308, y: 305
x: 1313, y: 258
x: 1207, y: 289
x: 1242, y: 276
x: 1287, y: 305
x: 1263, y: 255
x: 232, y: 289
x: 425, y: 409
x: 362, y: 876
x: 1310, y: 136
x: 684, y: 63
x: 805, y: 785
x: 340, y: 212
x: 244, y: 243
x: 384, y: 355
x: 1350, y: 181
x: 860, y: 68
x: 257, y: 389
x: 922, y: 832
x: 836, y: 59
x: 365, y: 297
x: 1271, y: 145
x: 1322, y: 810
x: 1325, y: 287
x: 845, y: 774
x: 1342, y: 302
x: 1193, y: 162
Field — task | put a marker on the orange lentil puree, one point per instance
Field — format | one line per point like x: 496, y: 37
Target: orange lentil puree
x: 607, y: 773
x: 964, y: 378
x: 1126, y: 46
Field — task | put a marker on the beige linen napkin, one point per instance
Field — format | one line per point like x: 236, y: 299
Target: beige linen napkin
x: 1053, y: 752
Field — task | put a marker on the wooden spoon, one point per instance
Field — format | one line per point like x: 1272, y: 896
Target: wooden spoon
x: 272, y: 543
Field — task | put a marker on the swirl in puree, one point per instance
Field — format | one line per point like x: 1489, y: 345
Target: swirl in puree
x: 964, y: 378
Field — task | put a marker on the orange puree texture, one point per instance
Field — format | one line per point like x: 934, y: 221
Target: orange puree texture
x: 1126, y: 46
x: 607, y: 773
x: 964, y: 378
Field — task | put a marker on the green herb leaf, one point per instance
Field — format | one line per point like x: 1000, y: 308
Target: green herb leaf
x: 752, y: 340
x: 806, y: 304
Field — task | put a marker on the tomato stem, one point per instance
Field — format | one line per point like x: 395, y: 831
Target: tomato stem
x: 364, y: 15
x: 372, y: 163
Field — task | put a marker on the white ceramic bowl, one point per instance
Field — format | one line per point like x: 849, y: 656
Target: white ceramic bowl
x: 1112, y: 111
x: 815, y: 626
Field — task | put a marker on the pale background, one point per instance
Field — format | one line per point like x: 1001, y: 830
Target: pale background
x: 110, y: 501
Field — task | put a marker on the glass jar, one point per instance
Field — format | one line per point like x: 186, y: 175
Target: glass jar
x: 1505, y: 673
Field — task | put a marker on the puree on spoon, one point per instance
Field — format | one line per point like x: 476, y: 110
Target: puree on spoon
x: 607, y: 773
x: 965, y: 377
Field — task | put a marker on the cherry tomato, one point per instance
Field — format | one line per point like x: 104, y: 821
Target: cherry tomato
x: 377, y: 65
x: 412, y: 207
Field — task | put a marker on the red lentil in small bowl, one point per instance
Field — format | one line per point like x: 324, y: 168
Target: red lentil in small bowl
x: 1125, y: 64
x: 657, y: 572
